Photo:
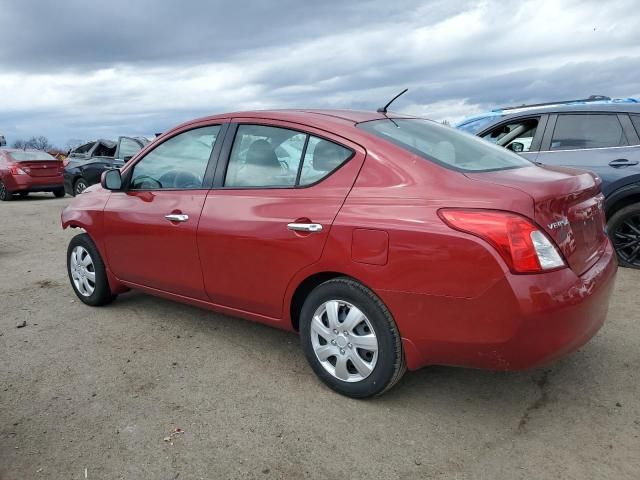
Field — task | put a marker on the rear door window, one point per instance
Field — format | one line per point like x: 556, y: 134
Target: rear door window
x: 265, y: 156
x: 577, y: 131
x: 636, y: 122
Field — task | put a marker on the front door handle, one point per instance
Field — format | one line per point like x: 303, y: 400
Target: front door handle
x: 623, y: 162
x: 305, y: 227
x: 177, y: 217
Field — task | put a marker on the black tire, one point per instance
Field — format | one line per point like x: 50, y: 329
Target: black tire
x: 59, y: 193
x: 79, y: 186
x: 624, y: 231
x: 101, y: 293
x: 390, y: 365
x: 23, y: 194
x: 5, y: 195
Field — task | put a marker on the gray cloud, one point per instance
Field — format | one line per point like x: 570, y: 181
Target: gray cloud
x: 73, y: 69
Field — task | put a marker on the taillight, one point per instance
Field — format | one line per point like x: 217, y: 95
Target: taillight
x: 522, y: 245
x: 16, y: 170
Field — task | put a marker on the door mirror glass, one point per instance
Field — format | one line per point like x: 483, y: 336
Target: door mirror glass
x: 111, y: 180
x: 516, y: 147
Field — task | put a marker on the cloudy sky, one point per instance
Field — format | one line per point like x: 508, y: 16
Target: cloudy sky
x: 78, y: 69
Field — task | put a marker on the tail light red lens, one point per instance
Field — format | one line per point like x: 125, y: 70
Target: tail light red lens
x: 16, y: 170
x: 522, y: 245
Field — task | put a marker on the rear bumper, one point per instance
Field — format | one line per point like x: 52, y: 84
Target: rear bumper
x: 26, y: 183
x: 523, y: 321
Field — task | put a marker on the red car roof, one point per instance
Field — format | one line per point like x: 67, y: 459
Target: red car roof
x: 312, y: 117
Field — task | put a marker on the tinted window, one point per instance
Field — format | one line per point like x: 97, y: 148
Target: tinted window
x: 178, y: 163
x: 474, y: 126
x: 587, y: 131
x: 84, y: 148
x: 264, y: 156
x: 636, y: 122
x: 30, y: 155
x: 444, y: 145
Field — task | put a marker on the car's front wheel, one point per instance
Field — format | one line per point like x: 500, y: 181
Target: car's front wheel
x: 87, y: 272
x: 624, y: 230
x: 350, y: 339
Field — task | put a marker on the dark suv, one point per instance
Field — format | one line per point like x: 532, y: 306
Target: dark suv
x: 598, y: 134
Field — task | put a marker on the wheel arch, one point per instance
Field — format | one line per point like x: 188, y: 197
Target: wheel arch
x: 305, y: 287
x: 622, y: 198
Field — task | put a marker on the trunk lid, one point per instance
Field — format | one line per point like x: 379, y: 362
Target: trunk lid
x: 568, y: 206
x: 41, y: 168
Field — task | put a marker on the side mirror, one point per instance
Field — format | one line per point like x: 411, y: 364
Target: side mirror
x: 111, y: 179
x: 516, y: 147
x: 127, y: 158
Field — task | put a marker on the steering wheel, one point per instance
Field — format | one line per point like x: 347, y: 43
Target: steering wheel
x: 181, y: 179
x: 139, y: 182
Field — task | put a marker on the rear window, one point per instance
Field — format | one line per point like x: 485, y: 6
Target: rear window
x: 444, y: 145
x: 24, y: 156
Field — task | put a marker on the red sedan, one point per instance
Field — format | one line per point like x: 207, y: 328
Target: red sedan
x: 24, y: 171
x: 387, y: 241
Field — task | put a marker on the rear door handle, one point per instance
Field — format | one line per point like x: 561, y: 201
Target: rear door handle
x: 623, y: 162
x: 177, y: 217
x: 305, y: 227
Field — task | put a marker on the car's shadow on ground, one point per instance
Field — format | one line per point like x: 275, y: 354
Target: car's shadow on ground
x: 445, y: 389
x: 36, y: 196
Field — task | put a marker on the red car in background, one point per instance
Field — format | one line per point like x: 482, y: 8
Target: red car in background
x: 387, y: 241
x: 24, y: 171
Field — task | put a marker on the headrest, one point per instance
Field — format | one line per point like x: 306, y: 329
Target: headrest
x: 327, y: 156
x: 261, y: 153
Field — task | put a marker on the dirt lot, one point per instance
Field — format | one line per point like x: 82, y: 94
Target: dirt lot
x: 98, y: 390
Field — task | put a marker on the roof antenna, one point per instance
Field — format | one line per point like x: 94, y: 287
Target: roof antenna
x: 384, y: 109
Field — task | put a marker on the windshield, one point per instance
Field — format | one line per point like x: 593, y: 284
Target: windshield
x: 474, y: 126
x: 31, y: 156
x: 444, y: 145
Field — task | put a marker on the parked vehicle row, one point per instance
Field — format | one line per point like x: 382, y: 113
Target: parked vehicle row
x: 389, y: 242
x: 599, y: 134
x: 86, y: 163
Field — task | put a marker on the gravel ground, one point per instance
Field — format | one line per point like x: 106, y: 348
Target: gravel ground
x: 96, y: 393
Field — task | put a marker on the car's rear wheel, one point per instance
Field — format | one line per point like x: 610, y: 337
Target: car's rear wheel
x: 5, y: 195
x: 59, y: 193
x: 624, y: 231
x: 87, y: 272
x: 79, y: 186
x: 350, y: 339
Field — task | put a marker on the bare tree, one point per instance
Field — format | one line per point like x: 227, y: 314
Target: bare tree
x: 39, y: 143
x: 22, y: 144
